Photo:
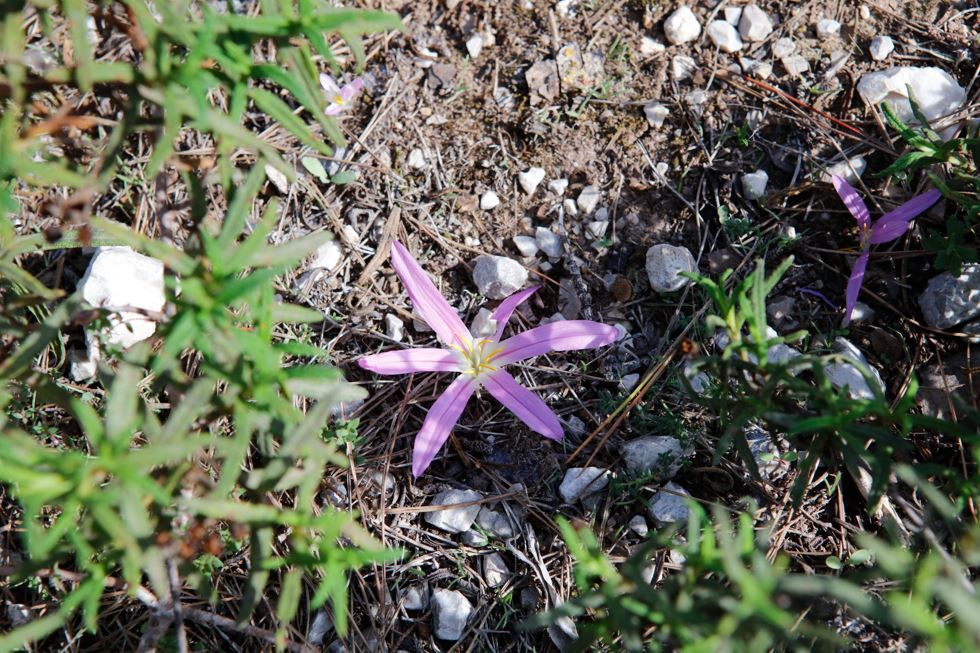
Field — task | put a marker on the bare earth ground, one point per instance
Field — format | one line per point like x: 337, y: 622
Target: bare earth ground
x: 425, y: 92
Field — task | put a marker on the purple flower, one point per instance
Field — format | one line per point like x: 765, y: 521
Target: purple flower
x: 338, y: 99
x: 886, y: 229
x: 478, y: 361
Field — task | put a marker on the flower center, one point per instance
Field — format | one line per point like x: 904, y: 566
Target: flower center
x: 478, y: 356
x: 864, y: 236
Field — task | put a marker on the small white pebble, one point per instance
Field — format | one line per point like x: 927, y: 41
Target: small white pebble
x: 733, y: 14
x: 416, y: 159
x: 864, y: 12
x: 394, y: 327
x: 526, y: 245
x: 597, y: 228
x: 827, y: 28
x: 682, y: 67
x: 682, y: 26
x: 656, y: 113
x: 569, y: 206
x: 650, y: 47
x: 724, y: 35
x: 881, y: 47
x: 754, y: 184
x: 754, y: 24
x: 474, y: 46
x: 795, y: 65
x: 530, y: 178
x: 783, y: 47
x: 489, y: 201
x: 588, y: 199
x: 558, y: 186
x: 548, y: 241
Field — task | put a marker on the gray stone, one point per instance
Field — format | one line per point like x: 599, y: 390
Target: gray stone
x: 526, y: 245
x: 780, y: 309
x: 497, y: 276
x: 664, y: 263
x: 850, y: 169
x: 474, y: 45
x: 682, y: 67
x: 682, y: 26
x: 765, y: 453
x: 582, y: 481
x: 656, y: 113
x: 754, y: 24
x: 474, y: 538
x: 639, y: 526
x: 668, y: 505
x: 416, y: 159
x: 558, y: 186
x: 783, y: 47
x: 659, y: 455
x: 548, y: 241
x: 827, y: 28
x: 846, y: 375
x: 450, y: 612
x: 795, y: 65
x: 415, y: 597
x: 949, y: 300
x: 394, y: 327
x: 754, y: 184
x: 495, y: 523
x: 454, y: 520
x: 495, y: 570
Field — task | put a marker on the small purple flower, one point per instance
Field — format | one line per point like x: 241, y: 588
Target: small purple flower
x: 478, y: 361
x: 886, y: 229
x: 338, y: 99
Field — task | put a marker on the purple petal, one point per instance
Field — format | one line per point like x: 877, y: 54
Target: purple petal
x: 406, y: 361
x: 429, y: 303
x: 329, y: 85
x: 440, y: 421
x: 528, y: 406
x: 507, y: 307
x: 854, y: 285
x: 334, y: 109
x: 853, y: 202
x: 557, y: 336
x: 352, y: 89
x: 894, y: 223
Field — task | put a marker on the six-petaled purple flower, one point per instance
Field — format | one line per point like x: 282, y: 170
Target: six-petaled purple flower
x: 885, y: 229
x: 339, y: 98
x: 478, y: 361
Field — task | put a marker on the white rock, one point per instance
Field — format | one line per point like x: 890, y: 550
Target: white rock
x: 827, y: 28
x: 669, y: 505
x: 526, y: 245
x: 724, y: 35
x: 566, y: 8
x: 664, y: 263
x: 754, y: 184
x: 277, y: 178
x: 84, y: 365
x: 483, y: 324
x: 322, y: 624
x: 639, y: 526
x: 934, y: 90
x: 474, y: 46
x: 580, y: 482
x: 558, y: 186
x: 783, y: 47
x: 597, y: 229
x: 845, y: 375
x: 454, y: 520
x: 659, y: 455
x: 656, y: 113
x: 119, y: 278
x: 588, y: 199
x: 570, y: 207
x: 682, y: 26
x: 851, y: 170
x: 881, y: 47
x: 548, y: 241
x: 474, y: 537
x: 450, y: 612
x: 416, y: 159
x: 754, y: 25
x: 494, y: 522
x: 949, y: 300
x: 498, y: 276
x: 682, y: 67
x: 650, y: 47
x: 327, y: 256
x: 795, y: 65
x: 756, y: 68
x: 489, y: 201
x: 415, y: 597
x: 733, y: 15
x: 495, y: 570
x: 394, y: 327
x: 700, y: 381
x: 530, y: 178
x: 861, y: 313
